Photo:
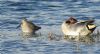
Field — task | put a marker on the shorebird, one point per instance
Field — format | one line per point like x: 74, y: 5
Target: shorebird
x: 72, y: 27
x: 28, y: 26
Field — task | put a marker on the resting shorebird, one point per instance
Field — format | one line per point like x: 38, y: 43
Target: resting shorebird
x: 73, y: 28
x: 29, y: 27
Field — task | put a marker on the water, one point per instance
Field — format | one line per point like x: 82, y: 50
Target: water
x: 49, y: 15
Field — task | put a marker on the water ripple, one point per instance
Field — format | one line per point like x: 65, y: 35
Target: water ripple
x: 49, y: 14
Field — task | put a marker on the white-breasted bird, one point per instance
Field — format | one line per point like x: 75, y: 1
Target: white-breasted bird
x: 72, y: 27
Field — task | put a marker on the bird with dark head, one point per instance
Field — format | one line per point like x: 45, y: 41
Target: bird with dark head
x: 28, y: 26
x: 71, y: 20
x: 74, y: 28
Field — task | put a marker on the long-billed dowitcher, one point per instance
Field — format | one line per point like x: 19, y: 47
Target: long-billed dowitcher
x: 28, y: 26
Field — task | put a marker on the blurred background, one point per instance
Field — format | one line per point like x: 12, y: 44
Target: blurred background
x: 49, y: 14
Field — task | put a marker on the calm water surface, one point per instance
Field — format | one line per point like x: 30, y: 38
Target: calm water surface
x: 49, y: 15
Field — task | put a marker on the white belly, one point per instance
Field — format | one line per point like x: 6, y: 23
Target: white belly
x: 74, y: 31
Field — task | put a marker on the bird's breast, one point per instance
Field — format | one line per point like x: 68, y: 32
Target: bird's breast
x: 26, y: 28
x: 74, y: 29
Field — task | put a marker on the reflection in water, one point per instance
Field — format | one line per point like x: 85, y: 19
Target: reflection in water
x: 93, y: 38
x: 52, y: 36
x: 49, y: 15
x: 87, y: 39
x: 77, y: 49
x: 29, y: 35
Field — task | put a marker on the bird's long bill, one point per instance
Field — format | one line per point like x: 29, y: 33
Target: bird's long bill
x: 18, y: 26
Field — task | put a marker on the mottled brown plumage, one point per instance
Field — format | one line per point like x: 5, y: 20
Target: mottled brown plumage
x: 29, y: 27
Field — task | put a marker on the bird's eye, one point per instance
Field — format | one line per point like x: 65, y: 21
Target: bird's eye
x: 67, y: 21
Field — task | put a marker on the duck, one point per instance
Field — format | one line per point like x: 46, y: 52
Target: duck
x: 28, y: 26
x: 72, y: 27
